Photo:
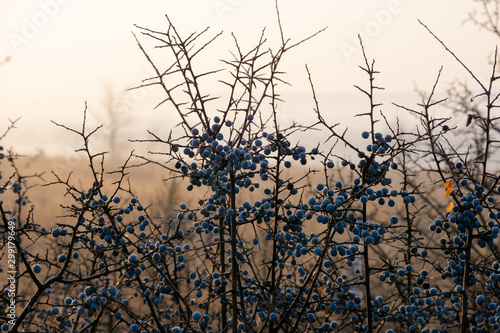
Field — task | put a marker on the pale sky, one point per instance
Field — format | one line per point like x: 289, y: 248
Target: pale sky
x: 66, y: 52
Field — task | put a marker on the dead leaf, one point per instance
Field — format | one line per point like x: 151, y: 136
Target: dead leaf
x: 448, y: 187
x: 450, y: 207
x: 469, y: 119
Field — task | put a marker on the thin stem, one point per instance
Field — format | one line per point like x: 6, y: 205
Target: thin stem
x: 222, y: 291
x: 487, y: 124
x: 367, y: 271
x: 464, y: 324
x: 234, y: 257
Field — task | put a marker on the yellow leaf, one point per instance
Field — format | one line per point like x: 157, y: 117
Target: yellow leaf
x: 449, y: 187
x: 450, y: 207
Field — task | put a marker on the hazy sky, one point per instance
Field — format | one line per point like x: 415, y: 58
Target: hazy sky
x: 66, y: 52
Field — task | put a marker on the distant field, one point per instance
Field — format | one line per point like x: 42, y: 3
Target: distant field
x: 149, y: 185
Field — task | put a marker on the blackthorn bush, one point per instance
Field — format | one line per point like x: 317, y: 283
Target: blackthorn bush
x: 278, y: 236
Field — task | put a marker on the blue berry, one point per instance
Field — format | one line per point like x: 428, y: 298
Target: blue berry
x: 196, y: 315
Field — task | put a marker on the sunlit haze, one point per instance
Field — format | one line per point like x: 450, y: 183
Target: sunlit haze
x: 64, y: 53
